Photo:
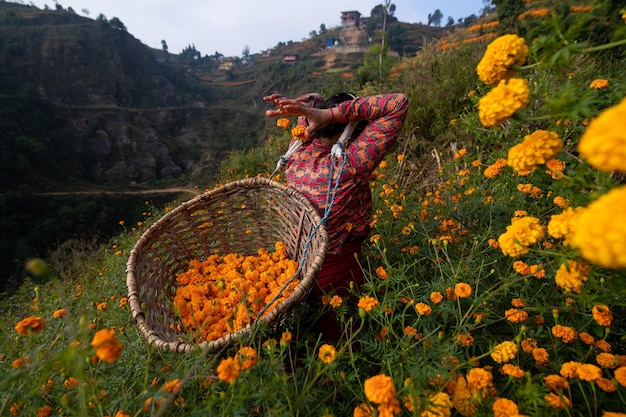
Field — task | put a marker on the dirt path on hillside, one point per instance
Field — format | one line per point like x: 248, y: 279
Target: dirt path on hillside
x: 171, y: 190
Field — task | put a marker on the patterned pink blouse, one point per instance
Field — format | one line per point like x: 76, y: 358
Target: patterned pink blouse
x: 308, y: 168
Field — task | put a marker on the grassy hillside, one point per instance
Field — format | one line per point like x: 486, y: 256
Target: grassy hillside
x: 494, y: 275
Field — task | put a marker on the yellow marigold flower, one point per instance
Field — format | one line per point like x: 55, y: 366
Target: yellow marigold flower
x: 599, y: 84
x: 108, y: 348
x: 246, y: 357
x: 523, y: 232
x: 589, y: 372
x: 515, y: 315
x: 327, y: 353
x: 561, y: 226
x: 29, y: 325
x: 436, y: 297
x: 571, y: 275
x: 283, y: 122
x: 367, y: 303
x: 494, y: 170
x: 381, y: 273
x: 439, y: 406
x: 512, y: 370
x: 379, y: 389
x: 570, y: 369
x: 364, y: 410
x: 466, y: 398
x: 537, y: 148
x: 557, y: 401
x: 555, y: 382
x: 504, y: 352
x: 503, y: 101
x: 228, y: 370
x: 298, y: 132
x: 503, y: 407
x: 602, y: 315
x: 603, y: 143
x: 479, y: 378
x: 600, y: 229
x: 462, y: 290
x: 423, y: 309
x: 501, y: 54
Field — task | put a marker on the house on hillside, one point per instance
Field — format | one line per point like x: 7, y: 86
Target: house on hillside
x: 291, y: 58
x: 351, y: 18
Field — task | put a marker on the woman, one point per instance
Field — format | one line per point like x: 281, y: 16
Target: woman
x: 380, y: 119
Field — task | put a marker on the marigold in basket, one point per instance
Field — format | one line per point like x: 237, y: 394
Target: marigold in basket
x: 224, y: 294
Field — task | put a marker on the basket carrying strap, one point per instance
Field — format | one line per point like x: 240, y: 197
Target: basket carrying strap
x: 337, y: 152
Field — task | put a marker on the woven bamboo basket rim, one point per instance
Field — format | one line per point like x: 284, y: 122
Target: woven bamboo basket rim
x: 312, y: 241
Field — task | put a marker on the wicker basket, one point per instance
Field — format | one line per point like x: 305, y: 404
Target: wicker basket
x: 239, y: 217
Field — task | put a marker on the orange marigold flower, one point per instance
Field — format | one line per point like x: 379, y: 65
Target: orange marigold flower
x: 379, y: 389
x: 436, y: 297
x: 298, y: 132
x: 536, y: 149
x: 479, y: 378
x: 423, y: 309
x: 21, y: 362
x: 606, y: 385
x: 494, y: 170
x: 607, y: 360
x: 620, y: 375
x: 247, y: 357
x: 108, y: 348
x: 515, y: 315
x: 565, y: 333
x: 503, y: 407
x: 228, y: 370
x: 586, y: 338
x: 70, y: 383
x: 364, y: 410
x: 570, y: 369
x: 172, y: 386
x: 45, y: 411
x: 59, y: 313
x: 29, y: 325
x: 589, y: 372
x: 602, y: 315
x: 367, y: 303
x: 541, y: 356
x: 462, y: 290
x: 381, y: 273
x: 556, y: 382
x: 327, y: 353
x: 598, y: 84
x: 512, y: 370
x: 283, y: 122
x: 603, y: 345
x: 335, y: 301
x: 557, y: 401
x: 464, y: 339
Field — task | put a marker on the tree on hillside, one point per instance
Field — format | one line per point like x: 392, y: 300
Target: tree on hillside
x: 435, y: 18
x: 164, y: 45
x: 450, y: 22
x: 116, y: 23
x: 323, y: 29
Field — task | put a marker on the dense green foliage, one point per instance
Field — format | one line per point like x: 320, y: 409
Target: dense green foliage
x: 457, y: 325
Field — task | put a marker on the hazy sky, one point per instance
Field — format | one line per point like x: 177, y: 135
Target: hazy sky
x: 228, y: 26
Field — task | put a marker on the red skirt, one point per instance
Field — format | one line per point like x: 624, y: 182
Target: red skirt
x: 338, y: 270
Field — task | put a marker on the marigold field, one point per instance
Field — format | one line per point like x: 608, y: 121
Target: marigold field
x: 495, y: 273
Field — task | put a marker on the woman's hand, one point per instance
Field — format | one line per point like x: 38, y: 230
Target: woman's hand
x: 302, y: 106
